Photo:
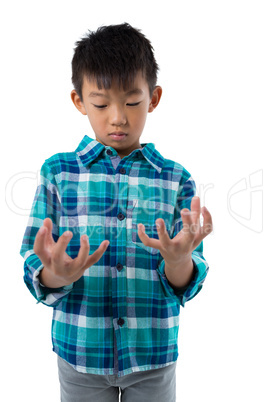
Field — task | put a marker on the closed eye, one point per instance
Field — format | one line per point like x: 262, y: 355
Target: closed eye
x: 133, y: 104
x: 100, y: 106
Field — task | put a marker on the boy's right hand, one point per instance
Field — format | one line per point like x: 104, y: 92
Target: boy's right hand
x: 59, y: 268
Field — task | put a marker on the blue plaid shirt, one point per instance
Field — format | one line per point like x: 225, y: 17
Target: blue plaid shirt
x: 122, y: 315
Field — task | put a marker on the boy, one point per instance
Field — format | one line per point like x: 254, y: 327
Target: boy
x: 116, y: 311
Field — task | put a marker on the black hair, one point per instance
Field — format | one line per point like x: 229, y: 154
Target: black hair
x: 113, y: 52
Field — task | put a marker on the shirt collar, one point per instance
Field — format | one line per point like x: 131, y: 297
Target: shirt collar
x: 89, y: 149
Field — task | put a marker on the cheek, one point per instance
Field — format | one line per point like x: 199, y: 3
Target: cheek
x: 140, y: 118
x: 95, y: 122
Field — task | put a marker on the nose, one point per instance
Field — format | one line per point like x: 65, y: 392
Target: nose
x: 118, y: 116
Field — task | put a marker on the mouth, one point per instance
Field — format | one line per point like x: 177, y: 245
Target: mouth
x: 117, y: 135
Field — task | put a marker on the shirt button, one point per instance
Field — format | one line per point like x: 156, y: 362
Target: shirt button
x: 119, y: 267
x: 121, y: 322
x: 109, y: 152
x: 122, y: 170
x: 120, y: 216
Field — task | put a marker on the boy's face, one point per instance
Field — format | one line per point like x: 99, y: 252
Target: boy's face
x: 117, y: 116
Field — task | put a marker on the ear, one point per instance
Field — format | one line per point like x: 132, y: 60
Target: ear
x: 77, y: 102
x: 157, y: 93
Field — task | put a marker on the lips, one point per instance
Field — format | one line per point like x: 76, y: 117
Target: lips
x: 117, y: 135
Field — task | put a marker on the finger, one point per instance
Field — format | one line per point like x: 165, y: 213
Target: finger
x: 163, y: 235
x: 146, y: 240
x: 196, y: 210
x: 39, y: 245
x: 93, y: 258
x: 47, y: 223
x: 188, y: 227
x: 61, y: 246
x: 207, y: 227
x: 83, y: 253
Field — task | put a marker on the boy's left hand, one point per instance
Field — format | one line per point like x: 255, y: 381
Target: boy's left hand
x: 179, y: 249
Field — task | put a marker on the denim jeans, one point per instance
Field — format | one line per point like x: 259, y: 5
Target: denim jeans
x: 158, y: 385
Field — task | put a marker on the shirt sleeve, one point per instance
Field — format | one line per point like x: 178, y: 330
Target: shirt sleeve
x: 46, y: 204
x: 186, y: 192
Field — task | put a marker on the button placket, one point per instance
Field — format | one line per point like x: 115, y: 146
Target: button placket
x: 119, y: 311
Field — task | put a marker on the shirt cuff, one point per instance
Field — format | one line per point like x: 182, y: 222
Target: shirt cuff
x: 190, y: 291
x: 49, y: 296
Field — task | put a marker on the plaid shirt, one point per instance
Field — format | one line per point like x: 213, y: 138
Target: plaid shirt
x: 122, y: 315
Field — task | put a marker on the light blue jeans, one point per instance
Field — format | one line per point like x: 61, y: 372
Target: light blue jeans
x: 158, y: 385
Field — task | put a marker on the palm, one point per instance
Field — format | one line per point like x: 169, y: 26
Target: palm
x: 183, y: 244
x: 54, y: 257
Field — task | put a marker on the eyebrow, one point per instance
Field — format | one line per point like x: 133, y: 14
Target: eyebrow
x: 95, y: 94
x: 135, y: 91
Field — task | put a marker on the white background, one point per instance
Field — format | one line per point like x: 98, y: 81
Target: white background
x: 212, y: 119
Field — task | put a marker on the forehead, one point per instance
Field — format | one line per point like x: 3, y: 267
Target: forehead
x: 136, y: 86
